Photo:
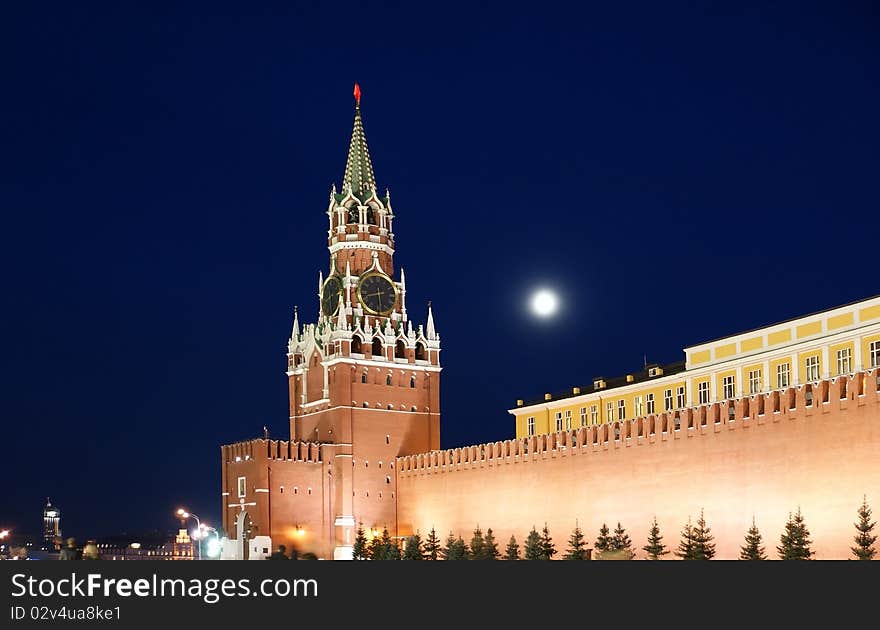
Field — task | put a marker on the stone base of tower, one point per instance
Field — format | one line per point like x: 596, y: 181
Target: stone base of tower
x: 345, y: 552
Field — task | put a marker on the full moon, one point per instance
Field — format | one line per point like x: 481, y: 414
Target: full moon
x: 544, y: 303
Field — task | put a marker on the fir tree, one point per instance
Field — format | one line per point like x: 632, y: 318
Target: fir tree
x: 794, y: 544
x: 685, y: 549
x: 360, y: 551
x: 533, y: 548
x: 432, y: 546
x: 491, y: 546
x: 753, y: 549
x: 704, y: 548
x: 455, y: 549
x: 621, y: 542
x: 413, y: 548
x: 865, y: 538
x: 603, y: 540
x: 512, y: 550
x: 577, y: 546
x: 655, y: 547
x: 547, y: 547
x: 478, y: 545
x: 383, y: 548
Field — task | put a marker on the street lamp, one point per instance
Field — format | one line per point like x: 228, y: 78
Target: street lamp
x: 183, y: 514
x: 4, y: 534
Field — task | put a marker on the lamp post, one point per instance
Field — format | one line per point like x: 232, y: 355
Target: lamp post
x: 183, y: 514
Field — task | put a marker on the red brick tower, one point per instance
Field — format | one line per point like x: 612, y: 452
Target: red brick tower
x: 363, y: 383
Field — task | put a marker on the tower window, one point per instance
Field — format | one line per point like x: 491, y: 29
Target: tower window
x: 388, y: 380
x: 413, y: 408
x: 412, y: 382
x: 242, y: 486
x: 387, y: 479
x: 420, y: 352
x: 390, y: 406
x: 400, y: 349
x: 387, y: 439
x: 366, y: 404
x: 377, y: 347
x: 356, y: 345
x: 363, y: 377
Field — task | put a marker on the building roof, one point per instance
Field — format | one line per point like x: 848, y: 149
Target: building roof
x: 639, y: 376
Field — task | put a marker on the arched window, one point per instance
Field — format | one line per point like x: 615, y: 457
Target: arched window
x: 412, y: 382
x: 363, y: 377
x: 421, y: 355
x: 377, y: 346
x: 388, y: 380
x: 356, y: 344
x: 400, y: 349
x: 371, y: 216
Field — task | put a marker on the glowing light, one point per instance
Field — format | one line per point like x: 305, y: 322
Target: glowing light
x: 300, y: 531
x: 4, y: 533
x: 213, y: 549
x: 544, y: 303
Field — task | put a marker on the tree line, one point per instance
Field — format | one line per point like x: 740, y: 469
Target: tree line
x: 696, y: 543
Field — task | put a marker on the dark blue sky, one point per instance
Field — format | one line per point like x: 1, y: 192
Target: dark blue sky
x: 677, y: 172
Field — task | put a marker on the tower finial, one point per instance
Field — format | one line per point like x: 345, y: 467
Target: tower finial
x: 357, y: 95
x: 294, y: 333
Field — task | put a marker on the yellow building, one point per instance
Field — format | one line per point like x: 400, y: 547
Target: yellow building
x: 831, y: 343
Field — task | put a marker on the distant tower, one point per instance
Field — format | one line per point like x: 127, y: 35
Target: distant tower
x: 51, y: 524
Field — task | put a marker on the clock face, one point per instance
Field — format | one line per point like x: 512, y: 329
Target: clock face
x: 330, y: 295
x: 377, y: 293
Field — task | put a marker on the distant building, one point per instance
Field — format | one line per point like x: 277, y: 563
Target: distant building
x: 118, y: 548
x: 51, y: 526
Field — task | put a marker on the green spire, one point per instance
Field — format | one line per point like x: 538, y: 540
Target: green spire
x: 358, y: 168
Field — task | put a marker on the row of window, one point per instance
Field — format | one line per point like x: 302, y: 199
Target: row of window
x: 388, y: 379
x: 646, y: 406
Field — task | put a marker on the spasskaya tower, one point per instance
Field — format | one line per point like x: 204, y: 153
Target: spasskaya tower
x: 364, y: 386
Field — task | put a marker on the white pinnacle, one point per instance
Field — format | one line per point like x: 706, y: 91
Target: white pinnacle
x: 432, y: 334
x: 294, y: 335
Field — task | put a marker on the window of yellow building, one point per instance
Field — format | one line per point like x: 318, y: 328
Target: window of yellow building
x: 559, y: 421
x: 783, y: 375
x: 754, y: 381
x: 811, y: 369
x: 609, y: 412
x: 844, y: 361
x: 649, y: 403
x: 728, y: 385
x: 583, y: 416
x: 874, y: 353
x: 568, y: 419
x: 667, y: 400
x: 621, y: 409
x: 703, y: 392
x: 680, y: 396
x: 530, y: 425
x: 639, y: 410
x: 594, y: 414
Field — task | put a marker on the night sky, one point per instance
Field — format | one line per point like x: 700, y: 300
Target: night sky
x: 675, y: 173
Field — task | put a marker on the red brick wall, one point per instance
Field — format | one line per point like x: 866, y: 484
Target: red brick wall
x: 821, y: 459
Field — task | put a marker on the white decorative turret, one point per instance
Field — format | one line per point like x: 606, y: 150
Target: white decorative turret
x: 341, y: 323
x: 432, y: 334
x: 402, y: 293
x: 294, y: 333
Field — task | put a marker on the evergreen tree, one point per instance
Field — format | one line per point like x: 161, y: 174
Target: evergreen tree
x: 685, y: 549
x: 383, y: 548
x: 655, y: 547
x: 533, y: 548
x: 491, y: 546
x: 753, y: 549
x: 577, y: 546
x: 704, y: 548
x: 621, y: 542
x: 432, y: 546
x: 360, y: 551
x: 547, y: 547
x: 865, y: 538
x: 413, y: 548
x: 478, y: 545
x: 794, y: 544
x: 512, y: 551
x: 455, y: 549
x: 603, y: 540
